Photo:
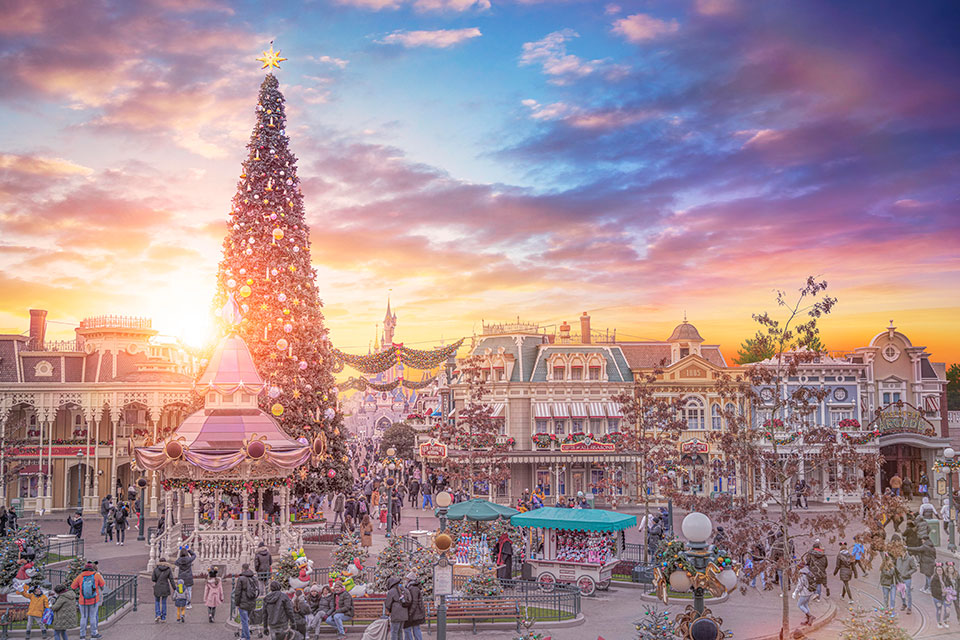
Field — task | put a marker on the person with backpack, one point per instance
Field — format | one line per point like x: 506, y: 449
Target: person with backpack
x: 105, y: 505
x: 803, y: 592
x: 89, y: 583
x: 262, y: 563
x: 416, y: 612
x: 64, y: 610
x: 163, y: 586
x: 180, y: 600
x: 397, y: 607
x: 185, y: 573
x: 245, y: 598
x: 279, y: 611
x: 120, y: 523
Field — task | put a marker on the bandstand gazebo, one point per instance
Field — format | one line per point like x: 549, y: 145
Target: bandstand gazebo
x: 228, y: 446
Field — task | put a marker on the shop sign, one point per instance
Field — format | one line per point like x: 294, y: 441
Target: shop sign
x: 587, y: 447
x: 694, y: 446
x: 33, y: 452
x: 433, y: 450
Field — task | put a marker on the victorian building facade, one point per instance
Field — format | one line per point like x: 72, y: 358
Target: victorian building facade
x: 71, y: 411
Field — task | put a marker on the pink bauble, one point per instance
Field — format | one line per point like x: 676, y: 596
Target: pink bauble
x: 331, y: 473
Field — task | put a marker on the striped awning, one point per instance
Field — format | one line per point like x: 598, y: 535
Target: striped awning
x: 578, y: 410
x: 614, y: 410
x: 497, y: 410
x: 560, y: 410
x: 597, y: 410
x: 932, y: 404
x: 541, y: 410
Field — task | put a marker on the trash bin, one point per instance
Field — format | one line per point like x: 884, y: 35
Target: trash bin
x: 934, y: 527
x: 526, y: 571
x: 642, y: 574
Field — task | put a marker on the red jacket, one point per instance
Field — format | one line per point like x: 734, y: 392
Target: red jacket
x: 78, y: 586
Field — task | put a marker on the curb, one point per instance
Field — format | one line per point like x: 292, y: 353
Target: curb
x: 483, y: 626
x: 818, y: 624
x: 106, y: 624
x: 649, y: 597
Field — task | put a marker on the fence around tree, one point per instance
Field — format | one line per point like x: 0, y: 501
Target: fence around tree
x: 60, y: 548
x: 119, y: 592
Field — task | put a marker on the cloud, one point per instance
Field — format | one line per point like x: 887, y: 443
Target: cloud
x: 41, y: 165
x: 641, y: 27
x: 439, y: 39
x: 340, y: 63
x: 420, y: 5
x: 714, y: 7
x: 551, y: 54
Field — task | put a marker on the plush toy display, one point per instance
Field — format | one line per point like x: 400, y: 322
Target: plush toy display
x: 349, y: 577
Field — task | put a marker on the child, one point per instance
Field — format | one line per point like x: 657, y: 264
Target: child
x: 38, y: 602
x: 180, y: 601
x: 212, y: 593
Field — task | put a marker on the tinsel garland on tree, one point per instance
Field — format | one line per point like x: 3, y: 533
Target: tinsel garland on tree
x: 484, y: 583
x: 266, y: 265
x: 391, y: 562
x: 349, y: 549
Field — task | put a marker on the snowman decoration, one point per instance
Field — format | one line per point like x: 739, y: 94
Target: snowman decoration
x: 302, y: 579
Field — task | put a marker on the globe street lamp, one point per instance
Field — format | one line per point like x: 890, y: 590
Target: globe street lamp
x: 949, y: 454
x: 443, y: 542
x: 390, y: 482
x: 142, y: 483
x: 80, y: 479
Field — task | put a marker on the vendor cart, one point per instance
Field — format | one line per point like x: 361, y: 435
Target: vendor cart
x: 565, y: 556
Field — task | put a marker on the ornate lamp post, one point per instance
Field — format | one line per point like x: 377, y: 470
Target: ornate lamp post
x: 443, y: 542
x: 390, y: 482
x: 950, y: 465
x: 142, y: 483
x: 81, y: 476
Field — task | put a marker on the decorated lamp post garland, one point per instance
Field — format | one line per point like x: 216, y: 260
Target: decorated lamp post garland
x: 232, y: 486
x: 860, y: 438
x: 383, y: 360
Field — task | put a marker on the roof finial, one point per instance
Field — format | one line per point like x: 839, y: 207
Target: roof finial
x: 684, y: 315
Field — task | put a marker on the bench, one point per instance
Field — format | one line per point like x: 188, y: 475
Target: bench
x: 488, y: 608
x: 11, y: 613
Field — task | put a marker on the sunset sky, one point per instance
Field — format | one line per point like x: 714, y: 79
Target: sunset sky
x: 483, y: 160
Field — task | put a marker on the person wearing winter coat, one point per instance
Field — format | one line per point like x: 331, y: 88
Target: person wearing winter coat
x: 888, y: 581
x: 817, y: 561
x: 927, y: 510
x: 262, y: 562
x: 185, y: 572
x: 212, y: 593
x: 366, y: 532
x: 803, y: 592
x: 341, y: 610
x: 906, y: 565
x: 416, y: 612
x: 396, y: 605
x: 938, y: 591
x: 301, y: 609
x: 910, y: 536
x: 927, y: 557
x: 38, y: 602
x: 89, y: 584
x: 162, y: 588
x: 245, y: 594
x: 953, y: 580
x: 846, y: 568
x: 279, y: 611
x: 339, y: 507
x: 75, y: 522
x: 120, y: 519
x: 65, y: 611
x: 923, y: 529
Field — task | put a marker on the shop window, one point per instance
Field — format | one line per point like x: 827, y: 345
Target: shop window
x: 28, y: 486
x: 576, y: 425
x: 596, y: 425
x: 542, y: 426
x: 613, y: 425
x: 594, y: 373
x: 543, y: 481
x: 559, y: 427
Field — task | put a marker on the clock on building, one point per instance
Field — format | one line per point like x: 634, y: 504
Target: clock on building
x: 767, y: 395
x: 840, y: 394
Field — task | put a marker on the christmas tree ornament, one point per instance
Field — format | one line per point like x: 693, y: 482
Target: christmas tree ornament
x: 231, y: 283
x: 277, y: 409
x: 245, y: 291
x: 274, y: 392
x: 270, y: 58
x: 331, y: 473
x: 278, y: 234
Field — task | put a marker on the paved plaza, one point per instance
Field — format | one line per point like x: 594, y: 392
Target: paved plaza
x: 752, y: 614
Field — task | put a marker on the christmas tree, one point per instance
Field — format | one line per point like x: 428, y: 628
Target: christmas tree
x: 655, y: 625
x: 286, y: 569
x: 348, y: 550
x: 422, y: 561
x: 484, y: 583
x: 24, y: 545
x: 266, y: 266
x: 879, y: 624
x: 391, y: 563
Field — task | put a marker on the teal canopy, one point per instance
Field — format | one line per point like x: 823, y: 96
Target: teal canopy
x: 479, y: 510
x: 574, y: 519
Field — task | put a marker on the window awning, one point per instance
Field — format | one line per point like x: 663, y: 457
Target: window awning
x: 932, y: 404
x: 541, y: 410
x: 454, y: 412
x: 560, y: 410
x: 578, y: 410
x: 497, y: 410
x: 614, y: 410
x: 597, y: 410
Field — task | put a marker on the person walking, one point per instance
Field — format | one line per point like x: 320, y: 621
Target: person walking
x: 104, y: 512
x: 396, y: 605
x: 163, y: 586
x: 427, y: 492
x: 817, y: 562
x: 414, y: 491
x: 927, y: 557
x: 953, y: 580
x: 416, y: 613
x: 245, y: 598
x: 89, y: 583
x: 895, y: 484
x: 803, y: 592
x: 111, y: 521
x: 212, y: 593
x: 888, y: 581
x: 906, y: 565
x: 859, y: 552
x: 278, y: 610
x: 938, y: 591
x: 180, y: 600
x: 339, y: 507
x: 120, y: 522
x: 366, y: 532
x: 907, y: 488
x: 65, y: 611
x: 846, y: 568
x: 185, y: 572
x: 800, y: 488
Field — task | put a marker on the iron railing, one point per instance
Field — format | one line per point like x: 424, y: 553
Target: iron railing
x: 119, y: 591
x: 60, y: 549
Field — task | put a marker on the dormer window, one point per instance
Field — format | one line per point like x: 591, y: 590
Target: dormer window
x: 558, y: 373
x: 684, y: 352
x: 593, y: 373
x: 576, y: 373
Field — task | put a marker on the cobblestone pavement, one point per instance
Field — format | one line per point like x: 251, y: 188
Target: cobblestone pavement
x: 753, y: 614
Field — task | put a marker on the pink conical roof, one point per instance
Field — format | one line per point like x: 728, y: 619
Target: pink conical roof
x: 230, y: 369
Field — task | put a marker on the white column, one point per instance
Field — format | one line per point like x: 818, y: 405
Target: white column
x: 115, y: 425
x: 4, y: 413
x: 155, y: 419
x: 41, y: 478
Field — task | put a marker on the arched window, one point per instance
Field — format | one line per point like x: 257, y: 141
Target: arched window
x: 730, y: 409
x: 693, y: 414
x: 716, y: 417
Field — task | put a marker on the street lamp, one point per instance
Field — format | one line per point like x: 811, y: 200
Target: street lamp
x: 390, y: 482
x: 442, y: 542
x: 949, y: 453
x: 142, y: 483
x: 713, y: 570
x: 80, y: 478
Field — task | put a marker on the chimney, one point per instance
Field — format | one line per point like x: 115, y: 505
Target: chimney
x: 585, y: 328
x: 564, y: 333
x: 38, y: 329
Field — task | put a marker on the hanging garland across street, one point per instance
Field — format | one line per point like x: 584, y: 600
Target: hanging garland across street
x: 361, y: 384
x: 414, y: 358
x: 225, y: 485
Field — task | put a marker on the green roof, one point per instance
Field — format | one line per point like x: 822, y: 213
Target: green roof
x: 479, y: 509
x: 574, y: 519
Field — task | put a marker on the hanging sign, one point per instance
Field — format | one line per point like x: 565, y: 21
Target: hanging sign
x: 694, y: 446
x: 433, y: 450
x: 587, y: 447
x: 443, y: 579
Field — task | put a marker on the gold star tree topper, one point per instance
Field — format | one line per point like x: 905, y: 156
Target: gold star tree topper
x: 270, y: 58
